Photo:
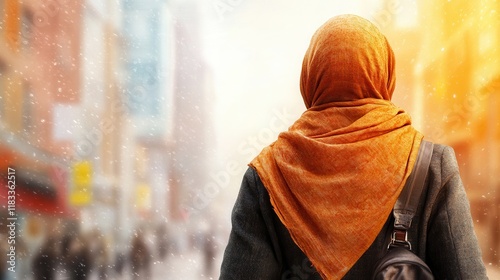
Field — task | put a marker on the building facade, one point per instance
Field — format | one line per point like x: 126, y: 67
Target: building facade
x: 458, y: 69
x: 40, y: 68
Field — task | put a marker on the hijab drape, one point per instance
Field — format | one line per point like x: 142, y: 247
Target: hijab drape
x: 335, y: 175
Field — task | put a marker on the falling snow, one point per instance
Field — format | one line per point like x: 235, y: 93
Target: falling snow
x: 117, y: 114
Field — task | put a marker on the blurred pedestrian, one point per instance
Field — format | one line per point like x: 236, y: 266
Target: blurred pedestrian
x: 79, y: 259
x: 99, y: 247
x: 66, y: 244
x: 4, y: 249
x: 23, y: 259
x: 140, y: 258
x: 322, y: 193
x: 44, y: 262
x: 163, y: 242
x: 209, y: 251
x: 103, y: 259
x: 66, y: 240
x: 120, y: 261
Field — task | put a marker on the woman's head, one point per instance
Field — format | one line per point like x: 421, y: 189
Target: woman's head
x: 348, y: 59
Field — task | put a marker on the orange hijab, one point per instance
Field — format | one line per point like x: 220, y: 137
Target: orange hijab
x: 335, y: 175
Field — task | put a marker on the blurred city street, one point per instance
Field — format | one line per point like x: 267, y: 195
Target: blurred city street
x: 188, y: 266
x: 126, y: 125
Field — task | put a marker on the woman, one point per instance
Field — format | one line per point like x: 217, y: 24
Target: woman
x: 316, y: 203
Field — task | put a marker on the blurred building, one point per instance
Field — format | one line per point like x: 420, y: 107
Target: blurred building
x: 95, y: 124
x: 62, y: 112
x: 458, y: 70
x: 168, y: 97
x: 39, y: 70
x: 448, y: 78
x: 104, y: 109
x: 148, y: 70
x: 192, y: 135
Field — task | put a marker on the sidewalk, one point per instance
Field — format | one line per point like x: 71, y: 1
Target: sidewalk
x: 183, y: 266
x: 188, y: 265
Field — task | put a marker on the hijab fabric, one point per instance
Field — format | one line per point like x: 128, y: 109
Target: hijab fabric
x: 335, y: 175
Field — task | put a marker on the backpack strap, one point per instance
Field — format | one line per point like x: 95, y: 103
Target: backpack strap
x: 407, y: 203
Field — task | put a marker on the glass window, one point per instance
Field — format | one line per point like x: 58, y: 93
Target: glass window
x: 2, y: 2
x: 2, y: 92
x: 28, y: 104
x: 26, y: 28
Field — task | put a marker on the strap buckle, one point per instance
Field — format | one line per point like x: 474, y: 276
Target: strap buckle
x: 399, y: 238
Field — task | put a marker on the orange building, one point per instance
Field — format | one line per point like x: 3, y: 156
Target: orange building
x: 50, y: 131
x: 40, y: 51
x: 38, y: 47
x: 39, y: 67
x: 458, y: 71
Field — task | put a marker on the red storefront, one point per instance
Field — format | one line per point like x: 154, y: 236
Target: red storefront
x: 40, y: 185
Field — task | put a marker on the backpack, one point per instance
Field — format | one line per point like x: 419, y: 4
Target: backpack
x: 399, y: 262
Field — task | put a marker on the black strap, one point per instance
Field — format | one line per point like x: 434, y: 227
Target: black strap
x: 407, y: 203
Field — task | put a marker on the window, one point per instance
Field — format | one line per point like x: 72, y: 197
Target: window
x: 2, y: 16
x: 26, y: 28
x: 28, y: 104
x: 2, y: 91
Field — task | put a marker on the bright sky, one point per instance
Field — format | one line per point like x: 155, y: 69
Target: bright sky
x: 255, y: 49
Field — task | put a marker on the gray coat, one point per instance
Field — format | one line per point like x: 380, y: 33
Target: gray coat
x: 442, y: 233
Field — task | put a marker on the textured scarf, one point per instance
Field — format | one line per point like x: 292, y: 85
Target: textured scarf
x: 335, y: 175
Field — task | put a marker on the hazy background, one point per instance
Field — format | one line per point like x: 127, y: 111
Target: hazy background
x: 131, y: 119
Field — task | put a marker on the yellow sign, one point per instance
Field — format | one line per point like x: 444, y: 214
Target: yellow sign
x: 143, y: 197
x: 81, y: 193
